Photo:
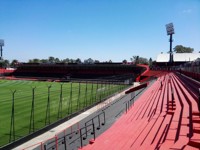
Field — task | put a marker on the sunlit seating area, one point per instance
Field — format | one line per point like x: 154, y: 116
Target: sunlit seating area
x: 165, y: 116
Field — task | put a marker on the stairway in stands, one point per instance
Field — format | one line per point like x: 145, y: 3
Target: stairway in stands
x: 165, y: 116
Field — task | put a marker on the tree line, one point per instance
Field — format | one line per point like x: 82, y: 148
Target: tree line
x: 134, y: 59
x: 52, y: 60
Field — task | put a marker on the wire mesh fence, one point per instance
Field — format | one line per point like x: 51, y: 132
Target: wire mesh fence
x: 28, y: 106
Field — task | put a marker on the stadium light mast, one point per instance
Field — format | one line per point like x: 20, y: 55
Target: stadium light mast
x: 1, y: 49
x: 170, y: 31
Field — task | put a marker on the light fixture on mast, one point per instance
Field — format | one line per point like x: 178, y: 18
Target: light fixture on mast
x: 1, y: 49
x: 170, y: 31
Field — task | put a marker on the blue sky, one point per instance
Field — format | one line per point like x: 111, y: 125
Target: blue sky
x: 97, y: 29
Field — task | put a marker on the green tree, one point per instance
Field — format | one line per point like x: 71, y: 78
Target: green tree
x: 89, y: 61
x: 30, y: 61
x: 150, y: 61
x: 139, y: 60
x: 4, y: 63
x: 66, y: 60
x: 44, y: 61
x: 124, y: 61
x: 51, y: 59
x: 182, y: 49
x: 72, y: 60
x: 142, y: 60
x: 14, y: 63
x: 96, y: 61
x: 36, y: 60
x: 57, y: 60
x: 78, y: 61
x: 135, y: 59
x: 7, y: 63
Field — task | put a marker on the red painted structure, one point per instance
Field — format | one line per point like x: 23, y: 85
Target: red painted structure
x: 5, y: 71
x: 77, y: 70
x: 141, y: 86
x: 165, y: 116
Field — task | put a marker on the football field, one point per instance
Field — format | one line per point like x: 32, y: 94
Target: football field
x: 27, y: 106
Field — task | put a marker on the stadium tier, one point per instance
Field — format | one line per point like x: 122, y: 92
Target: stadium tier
x: 77, y: 70
x: 89, y: 85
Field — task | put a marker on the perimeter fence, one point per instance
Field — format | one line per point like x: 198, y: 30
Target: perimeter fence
x: 27, y: 107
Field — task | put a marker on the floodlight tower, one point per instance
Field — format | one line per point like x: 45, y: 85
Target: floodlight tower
x: 170, y: 31
x: 1, y: 49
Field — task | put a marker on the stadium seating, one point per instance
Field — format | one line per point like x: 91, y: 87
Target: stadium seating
x: 149, y: 75
x: 193, y: 75
x: 165, y: 116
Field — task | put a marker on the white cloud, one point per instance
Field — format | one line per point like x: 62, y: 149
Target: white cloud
x: 187, y: 11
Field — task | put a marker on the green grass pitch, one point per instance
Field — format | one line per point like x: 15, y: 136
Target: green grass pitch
x: 52, y: 101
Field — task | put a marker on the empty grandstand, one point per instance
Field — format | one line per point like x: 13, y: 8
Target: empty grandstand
x: 77, y: 88
x: 74, y: 70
